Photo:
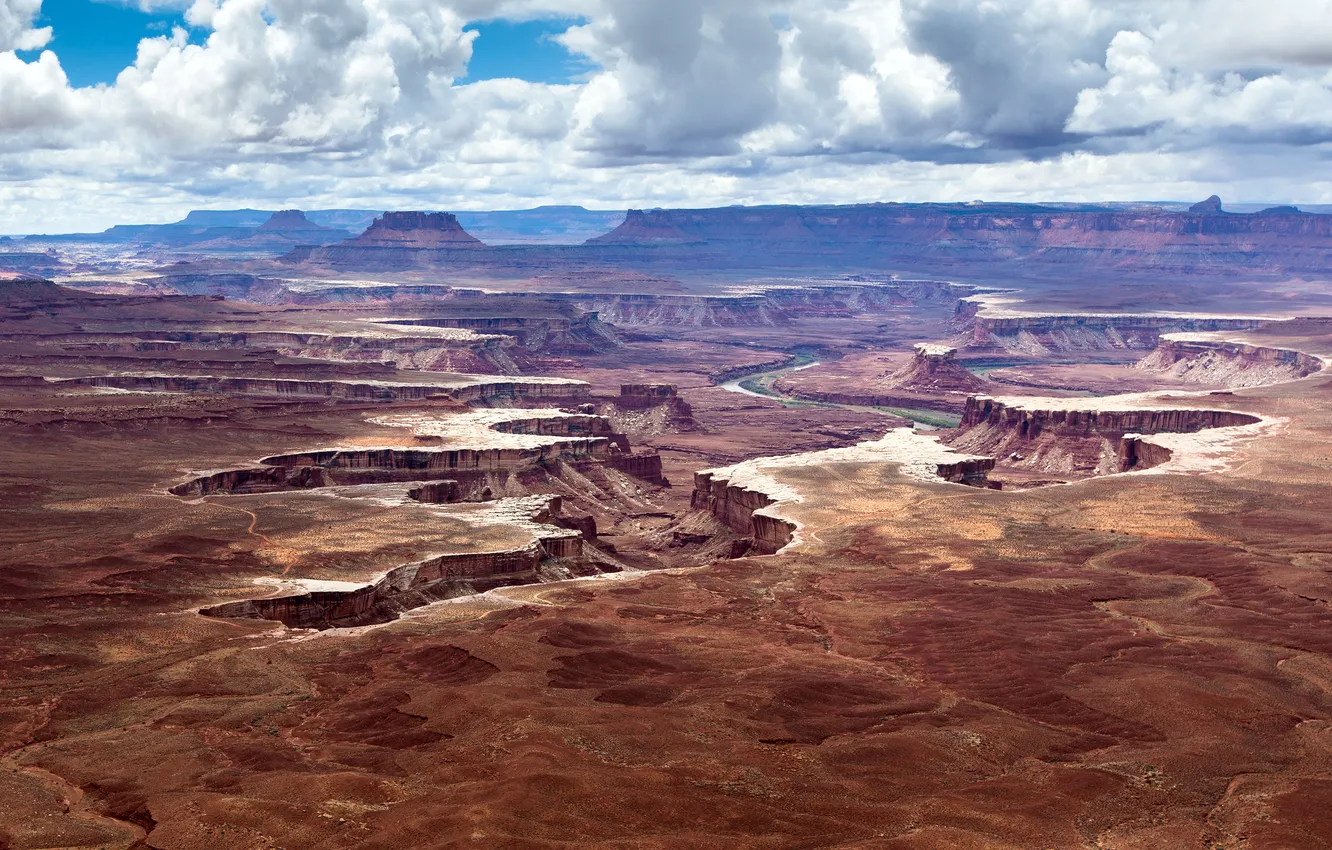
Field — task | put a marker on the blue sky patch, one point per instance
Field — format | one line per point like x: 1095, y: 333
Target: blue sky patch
x: 96, y: 40
x: 525, y: 50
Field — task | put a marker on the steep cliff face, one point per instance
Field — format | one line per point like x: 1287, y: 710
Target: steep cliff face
x: 891, y: 236
x: 934, y: 368
x: 292, y: 222
x: 369, y: 354
x: 1228, y: 364
x: 415, y: 461
x: 768, y: 305
x: 646, y: 467
x: 457, y: 472
x: 343, y: 604
x: 414, y: 230
x: 581, y: 333
x: 281, y: 232
x: 647, y: 310
x: 347, y: 390
x: 931, y: 379
x: 1204, y: 237
x: 399, y: 241
x: 739, y: 508
x: 367, y: 390
x: 1031, y: 422
x: 1138, y: 452
x: 648, y: 396
x: 262, y: 479
x: 1043, y: 334
x: 1073, y: 438
x: 746, y: 497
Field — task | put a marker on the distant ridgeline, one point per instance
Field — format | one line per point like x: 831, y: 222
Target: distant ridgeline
x: 928, y: 237
x: 277, y: 231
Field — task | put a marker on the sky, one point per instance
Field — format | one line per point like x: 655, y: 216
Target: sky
x: 117, y: 111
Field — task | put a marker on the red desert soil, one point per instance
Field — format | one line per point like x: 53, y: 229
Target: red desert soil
x: 1130, y: 661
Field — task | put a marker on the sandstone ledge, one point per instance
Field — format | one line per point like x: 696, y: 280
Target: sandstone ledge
x: 749, y: 500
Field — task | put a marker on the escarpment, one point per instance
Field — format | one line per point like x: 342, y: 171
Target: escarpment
x: 749, y: 500
x: 503, y: 442
x: 1076, y: 438
x: 324, y: 605
x: 1042, y: 334
x: 931, y: 379
x: 374, y: 391
x: 1230, y: 364
x: 1031, y: 421
x: 528, y: 450
x: 939, y: 235
x: 740, y: 508
x: 443, y: 350
x: 581, y: 333
x: 259, y: 479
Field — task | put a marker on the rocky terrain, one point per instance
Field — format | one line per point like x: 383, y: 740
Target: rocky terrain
x: 1069, y: 438
x: 930, y: 378
x: 572, y: 553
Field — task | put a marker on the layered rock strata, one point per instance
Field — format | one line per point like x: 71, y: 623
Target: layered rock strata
x: 463, y: 389
x: 1029, y: 418
x: 640, y: 397
x: 1077, y: 437
x: 985, y: 329
x: 1199, y: 240
x: 476, y: 452
x: 1229, y: 364
x: 583, y: 334
x: 932, y: 379
x: 750, y: 499
x: 383, y: 346
x: 323, y: 604
x: 413, y: 230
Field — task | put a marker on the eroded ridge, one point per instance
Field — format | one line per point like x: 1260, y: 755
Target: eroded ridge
x: 749, y: 499
x: 1200, y: 359
x: 990, y: 322
x: 464, y: 388
x: 1082, y: 437
x: 493, y: 456
x: 478, y: 450
x: 316, y: 604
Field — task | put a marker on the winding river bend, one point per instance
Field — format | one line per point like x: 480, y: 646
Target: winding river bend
x: 760, y: 385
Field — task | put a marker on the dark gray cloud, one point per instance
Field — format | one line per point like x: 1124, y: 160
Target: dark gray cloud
x: 1017, y: 66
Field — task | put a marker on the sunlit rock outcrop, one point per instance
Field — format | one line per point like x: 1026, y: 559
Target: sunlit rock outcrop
x: 1225, y: 363
x: 749, y: 497
x: 1079, y: 437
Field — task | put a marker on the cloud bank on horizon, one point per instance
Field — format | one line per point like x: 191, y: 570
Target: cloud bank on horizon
x: 692, y: 102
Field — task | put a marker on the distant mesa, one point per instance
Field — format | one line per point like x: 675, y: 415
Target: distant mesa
x: 292, y: 221
x: 414, y: 230
x: 645, y: 226
x: 1284, y: 209
x: 1211, y: 205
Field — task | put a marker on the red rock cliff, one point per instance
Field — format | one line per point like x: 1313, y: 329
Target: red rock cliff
x: 414, y: 230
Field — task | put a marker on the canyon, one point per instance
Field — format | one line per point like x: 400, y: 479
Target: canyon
x: 888, y: 525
